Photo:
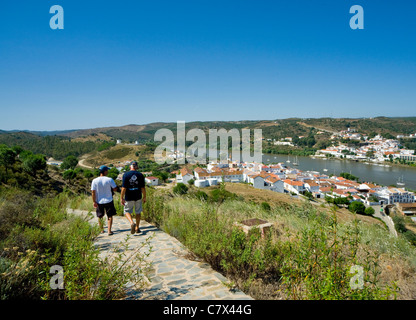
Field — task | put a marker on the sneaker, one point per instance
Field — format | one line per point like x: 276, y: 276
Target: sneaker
x: 133, y: 228
x: 138, y: 230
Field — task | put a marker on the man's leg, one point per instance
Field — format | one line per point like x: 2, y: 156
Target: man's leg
x: 110, y: 224
x: 100, y: 223
x: 138, y: 222
x: 100, y: 215
x: 138, y: 209
x: 128, y: 216
x: 111, y: 211
x: 128, y: 209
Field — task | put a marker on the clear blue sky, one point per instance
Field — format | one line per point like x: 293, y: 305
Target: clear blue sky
x: 125, y: 62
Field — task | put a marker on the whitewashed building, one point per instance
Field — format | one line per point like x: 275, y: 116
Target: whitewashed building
x: 153, y: 181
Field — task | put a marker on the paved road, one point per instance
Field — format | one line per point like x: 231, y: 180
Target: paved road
x: 173, y: 275
x: 387, y: 220
x: 81, y: 163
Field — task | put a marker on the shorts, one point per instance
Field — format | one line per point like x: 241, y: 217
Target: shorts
x: 107, y: 208
x: 136, y: 204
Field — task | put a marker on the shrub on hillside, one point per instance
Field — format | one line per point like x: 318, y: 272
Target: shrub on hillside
x: 357, y: 207
x: 265, y: 206
x: 220, y: 195
x: 369, y: 211
x: 180, y: 189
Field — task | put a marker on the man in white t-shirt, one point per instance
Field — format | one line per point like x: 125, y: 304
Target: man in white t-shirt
x: 102, y: 195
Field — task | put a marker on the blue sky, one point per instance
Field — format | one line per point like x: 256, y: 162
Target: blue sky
x: 147, y: 61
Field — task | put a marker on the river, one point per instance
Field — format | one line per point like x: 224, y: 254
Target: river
x: 364, y: 171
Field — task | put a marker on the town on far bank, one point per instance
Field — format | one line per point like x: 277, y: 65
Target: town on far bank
x: 376, y: 149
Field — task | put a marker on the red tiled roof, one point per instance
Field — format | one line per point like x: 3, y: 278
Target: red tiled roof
x: 293, y: 182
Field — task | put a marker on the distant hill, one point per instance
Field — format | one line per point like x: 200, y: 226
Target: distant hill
x: 41, y: 133
x: 54, y: 146
x: 378, y: 125
x: 316, y: 132
x: 279, y: 128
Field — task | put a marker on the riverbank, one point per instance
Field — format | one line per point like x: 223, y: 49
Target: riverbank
x: 366, y: 171
x: 385, y: 163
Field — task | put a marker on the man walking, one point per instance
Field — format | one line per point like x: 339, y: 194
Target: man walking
x: 102, y: 196
x: 133, y: 195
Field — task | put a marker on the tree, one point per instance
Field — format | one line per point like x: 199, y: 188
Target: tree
x: 7, y: 156
x: 33, y: 163
x: 341, y: 201
x: 17, y: 149
x: 69, y: 174
x: 348, y: 176
x: 113, y: 173
x: 70, y: 162
x: 369, y: 211
x: 357, y: 207
x: 370, y: 153
x: 88, y: 174
x: 308, y: 194
x: 162, y: 175
x: 220, y: 195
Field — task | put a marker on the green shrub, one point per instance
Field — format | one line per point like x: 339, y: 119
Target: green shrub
x: 69, y: 174
x: 37, y: 233
x: 265, y: 206
x: 399, y: 224
x: 180, y: 189
x: 201, y: 195
x: 410, y: 236
x: 220, y: 195
x: 317, y: 265
x: 357, y: 207
x: 369, y: 211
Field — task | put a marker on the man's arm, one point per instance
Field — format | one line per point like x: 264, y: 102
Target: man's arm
x: 144, y: 195
x: 123, y: 192
x: 94, y: 198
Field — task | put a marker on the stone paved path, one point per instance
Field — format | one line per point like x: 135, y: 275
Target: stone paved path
x: 173, y: 276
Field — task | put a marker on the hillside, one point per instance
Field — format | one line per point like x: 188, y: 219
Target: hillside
x: 307, y: 253
x: 57, y: 147
x: 315, y: 133
x: 319, y: 128
x: 379, y: 125
x: 115, y: 155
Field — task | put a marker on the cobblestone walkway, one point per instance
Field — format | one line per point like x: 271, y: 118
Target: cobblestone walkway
x: 172, y: 275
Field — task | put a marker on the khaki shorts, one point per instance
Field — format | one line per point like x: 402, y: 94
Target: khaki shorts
x: 137, y: 205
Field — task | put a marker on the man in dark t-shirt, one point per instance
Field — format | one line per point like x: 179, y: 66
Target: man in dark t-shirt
x: 133, y: 195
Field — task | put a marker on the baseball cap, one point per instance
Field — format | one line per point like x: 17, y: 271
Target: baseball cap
x: 104, y: 168
x: 133, y: 163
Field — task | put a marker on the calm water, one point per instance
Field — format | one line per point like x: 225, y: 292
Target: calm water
x: 366, y: 172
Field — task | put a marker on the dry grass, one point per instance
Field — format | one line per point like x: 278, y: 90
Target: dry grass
x: 96, y: 137
x: 276, y: 199
x: 115, y: 155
